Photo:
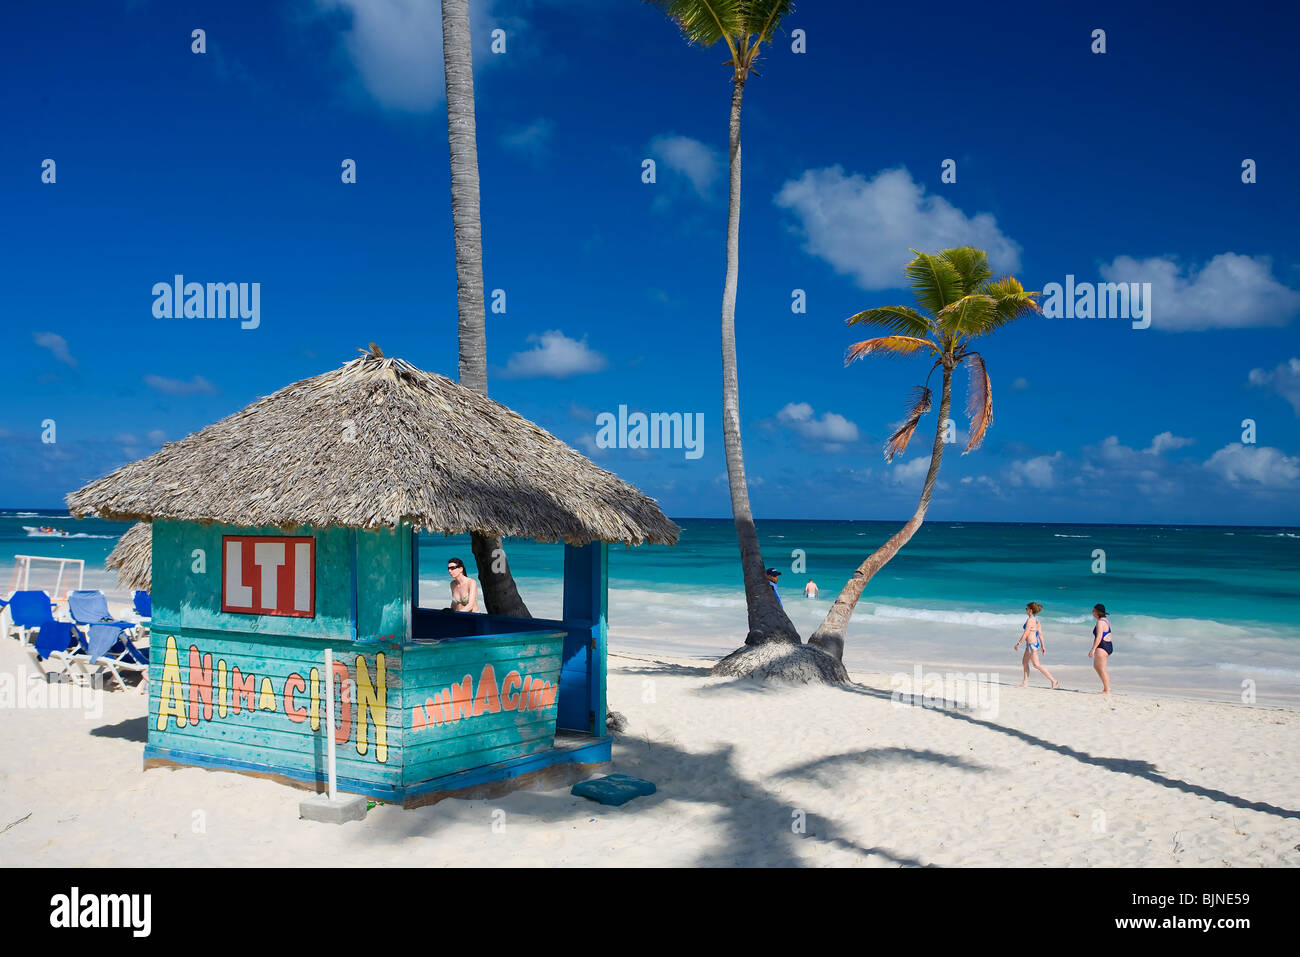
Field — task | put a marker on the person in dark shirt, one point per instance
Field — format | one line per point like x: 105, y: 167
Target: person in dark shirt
x: 772, y: 576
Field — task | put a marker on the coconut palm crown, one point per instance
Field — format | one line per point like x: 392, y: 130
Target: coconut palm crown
x: 958, y: 302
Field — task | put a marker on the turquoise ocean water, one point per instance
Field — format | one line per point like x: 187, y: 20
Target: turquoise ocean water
x: 1197, y: 610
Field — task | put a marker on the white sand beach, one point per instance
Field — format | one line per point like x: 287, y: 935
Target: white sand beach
x: 1043, y: 778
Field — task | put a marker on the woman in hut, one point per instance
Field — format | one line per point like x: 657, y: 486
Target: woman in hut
x: 464, y: 590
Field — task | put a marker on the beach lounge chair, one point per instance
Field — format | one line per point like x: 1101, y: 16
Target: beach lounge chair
x: 50, y: 643
x: 110, y: 649
x: 90, y: 607
x: 28, y: 610
x: 57, y: 648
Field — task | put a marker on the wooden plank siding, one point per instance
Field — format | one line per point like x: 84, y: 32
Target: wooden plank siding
x: 495, y: 698
x: 477, y: 701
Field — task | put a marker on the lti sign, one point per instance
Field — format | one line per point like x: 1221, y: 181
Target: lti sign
x: 268, y: 575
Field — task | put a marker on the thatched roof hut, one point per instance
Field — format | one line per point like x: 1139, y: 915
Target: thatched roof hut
x: 376, y: 443
x: 132, y: 557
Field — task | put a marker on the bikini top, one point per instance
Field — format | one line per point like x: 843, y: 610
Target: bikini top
x: 1037, y: 628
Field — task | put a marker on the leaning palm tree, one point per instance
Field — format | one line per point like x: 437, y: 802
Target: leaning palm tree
x: 499, y: 592
x: 958, y: 302
x: 744, y: 26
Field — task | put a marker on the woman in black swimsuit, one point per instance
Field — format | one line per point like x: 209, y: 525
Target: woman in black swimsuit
x: 1102, y: 648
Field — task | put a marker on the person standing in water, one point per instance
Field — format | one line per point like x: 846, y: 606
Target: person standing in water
x: 1032, y: 636
x: 810, y: 589
x: 1102, y: 648
x: 464, y: 590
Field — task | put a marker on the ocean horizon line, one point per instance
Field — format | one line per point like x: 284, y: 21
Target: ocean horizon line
x: 832, y: 521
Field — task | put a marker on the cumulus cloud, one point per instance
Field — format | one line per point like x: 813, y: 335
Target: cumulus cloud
x: 1231, y: 291
x: 531, y: 138
x: 909, y: 472
x: 831, y: 429
x: 57, y: 345
x: 865, y: 227
x: 555, y: 356
x: 1284, y: 380
x: 1166, y: 441
x: 196, y: 386
x: 1038, y: 472
x: 396, y: 47
x: 699, y: 163
x: 1259, y: 464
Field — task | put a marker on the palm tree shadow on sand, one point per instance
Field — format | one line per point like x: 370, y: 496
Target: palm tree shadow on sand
x: 754, y: 828
x: 1138, y: 768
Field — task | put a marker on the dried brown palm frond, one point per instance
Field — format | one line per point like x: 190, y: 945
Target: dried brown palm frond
x: 979, y: 403
x: 903, y: 434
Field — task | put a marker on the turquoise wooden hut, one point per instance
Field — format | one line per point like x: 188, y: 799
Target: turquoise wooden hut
x: 290, y: 527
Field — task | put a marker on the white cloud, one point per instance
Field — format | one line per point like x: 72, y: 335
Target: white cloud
x: 864, y: 228
x: 1038, y: 472
x: 1284, y: 380
x: 196, y: 386
x: 909, y: 472
x: 532, y: 138
x: 156, y: 436
x: 555, y: 356
x: 396, y: 47
x: 1260, y: 464
x: 699, y: 163
x: 1230, y: 292
x: 1020, y: 383
x: 1166, y: 441
x: 831, y: 429
x: 57, y: 345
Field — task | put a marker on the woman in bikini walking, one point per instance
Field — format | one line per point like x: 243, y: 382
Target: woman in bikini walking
x: 1032, y: 636
x: 1102, y: 648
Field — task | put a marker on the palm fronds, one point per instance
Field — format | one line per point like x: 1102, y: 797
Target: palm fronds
x: 979, y: 402
x: 706, y: 21
x: 902, y: 320
x: 935, y: 281
x: 967, y: 315
x: 903, y: 434
x: 971, y: 264
x: 889, y: 346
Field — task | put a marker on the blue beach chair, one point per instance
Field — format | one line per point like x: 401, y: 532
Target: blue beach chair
x: 143, y: 604
x: 29, y: 610
x: 111, y: 646
x: 111, y: 649
x: 55, y: 646
x: 57, y: 642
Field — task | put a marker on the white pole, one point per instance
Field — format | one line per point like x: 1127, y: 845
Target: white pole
x: 329, y: 719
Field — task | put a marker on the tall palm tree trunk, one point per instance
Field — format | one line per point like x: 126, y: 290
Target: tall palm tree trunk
x: 829, y: 636
x: 500, y: 596
x: 767, y: 622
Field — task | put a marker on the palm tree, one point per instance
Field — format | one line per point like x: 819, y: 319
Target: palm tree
x: 744, y: 25
x: 500, y: 596
x: 959, y: 301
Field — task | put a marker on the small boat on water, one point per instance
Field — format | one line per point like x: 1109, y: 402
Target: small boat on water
x: 44, y: 531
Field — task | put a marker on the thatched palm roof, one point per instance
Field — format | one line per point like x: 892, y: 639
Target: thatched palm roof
x: 375, y: 443
x: 132, y: 557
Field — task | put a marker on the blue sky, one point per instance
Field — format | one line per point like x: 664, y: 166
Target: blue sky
x: 225, y: 167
